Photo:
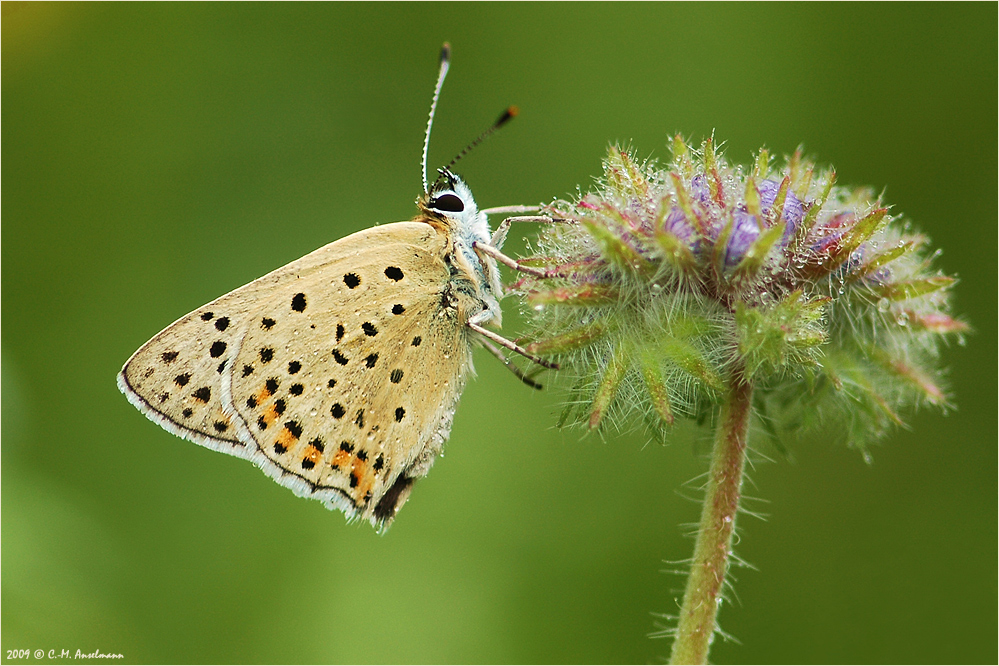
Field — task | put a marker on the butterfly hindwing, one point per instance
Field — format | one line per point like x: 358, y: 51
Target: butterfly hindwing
x: 339, y: 373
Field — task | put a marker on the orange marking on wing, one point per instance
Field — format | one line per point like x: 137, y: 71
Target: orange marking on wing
x: 262, y: 395
x: 364, y: 487
x: 270, y: 415
x: 359, y: 469
x: 340, y: 458
x: 286, y: 438
x: 312, y: 454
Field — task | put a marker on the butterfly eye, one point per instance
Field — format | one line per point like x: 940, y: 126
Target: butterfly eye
x: 448, y: 203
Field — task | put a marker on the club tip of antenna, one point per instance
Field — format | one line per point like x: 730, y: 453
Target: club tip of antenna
x: 509, y: 114
x: 446, y: 52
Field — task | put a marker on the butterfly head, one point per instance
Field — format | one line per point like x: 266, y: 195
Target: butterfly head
x: 448, y: 205
x: 449, y: 201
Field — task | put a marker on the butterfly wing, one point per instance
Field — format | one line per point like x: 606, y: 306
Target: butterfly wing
x: 337, y: 374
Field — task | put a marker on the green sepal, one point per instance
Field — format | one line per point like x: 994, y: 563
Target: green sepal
x: 581, y: 295
x: 879, y: 260
x: 711, y: 169
x: 813, y: 213
x: 690, y: 359
x: 901, y: 291
x: 756, y: 254
x: 753, y: 206
x: 676, y: 251
x: 777, y: 209
x: 657, y: 388
x: 854, y: 237
x: 686, y: 204
x: 786, y: 334
x: 574, y: 339
x: 761, y: 167
x: 911, y: 375
x: 720, y: 247
x: 614, y: 372
x: 615, y: 250
x: 622, y: 174
x: 681, y: 157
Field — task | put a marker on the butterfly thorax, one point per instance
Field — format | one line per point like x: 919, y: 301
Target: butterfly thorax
x: 450, y: 208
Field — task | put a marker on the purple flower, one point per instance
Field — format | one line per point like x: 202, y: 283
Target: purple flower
x: 793, y: 212
x: 745, y: 230
x: 676, y: 223
x: 699, y: 188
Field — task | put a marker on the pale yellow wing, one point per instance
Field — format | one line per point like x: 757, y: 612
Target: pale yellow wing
x: 337, y: 374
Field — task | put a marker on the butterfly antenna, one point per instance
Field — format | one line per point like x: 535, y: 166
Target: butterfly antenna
x: 509, y: 114
x: 445, y: 62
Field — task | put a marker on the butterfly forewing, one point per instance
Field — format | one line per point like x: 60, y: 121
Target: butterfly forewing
x: 338, y: 376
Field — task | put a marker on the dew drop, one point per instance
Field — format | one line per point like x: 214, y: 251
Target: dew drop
x: 902, y: 319
x: 883, y: 305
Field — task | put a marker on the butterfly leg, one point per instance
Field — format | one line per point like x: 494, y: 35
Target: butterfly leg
x: 491, y: 251
x: 495, y: 351
x: 499, y: 236
x: 503, y: 342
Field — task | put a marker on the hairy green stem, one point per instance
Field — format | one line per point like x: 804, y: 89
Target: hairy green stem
x: 714, y: 537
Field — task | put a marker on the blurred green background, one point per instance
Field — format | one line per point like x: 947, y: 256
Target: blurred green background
x: 156, y: 156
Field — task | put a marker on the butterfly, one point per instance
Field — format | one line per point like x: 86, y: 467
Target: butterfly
x: 339, y: 374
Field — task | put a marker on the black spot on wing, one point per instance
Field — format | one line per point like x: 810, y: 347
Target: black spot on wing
x: 369, y: 329
x: 296, y: 389
x: 298, y: 303
x: 339, y: 358
x: 267, y: 323
x: 294, y: 427
x: 393, y: 273
x: 337, y: 411
x: 203, y: 394
x: 207, y: 316
x: 182, y: 380
x: 266, y: 354
x: 339, y: 332
x: 218, y: 348
x: 417, y: 340
x: 222, y: 323
x: 370, y: 360
x: 399, y: 413
x: 169, y: 357
x: 247, y: 370
x: 294, y: 367
x: 397, y: 309
x: 396, y: 376
x: 351, y: 280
